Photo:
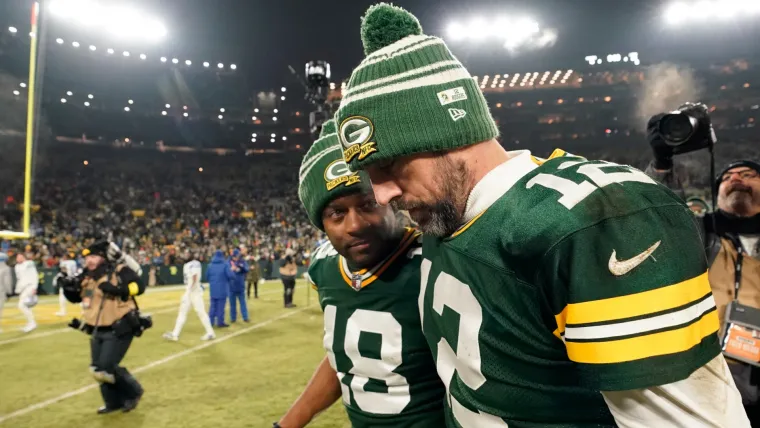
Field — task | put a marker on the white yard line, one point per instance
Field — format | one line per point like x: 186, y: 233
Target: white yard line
x: 161, y: 310
x: 172, y: 357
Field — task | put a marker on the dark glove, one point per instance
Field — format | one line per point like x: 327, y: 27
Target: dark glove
x: 112, y: 290
x: 75, y: 323
x: 67, y: 284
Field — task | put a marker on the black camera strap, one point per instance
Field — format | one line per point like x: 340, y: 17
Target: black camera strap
x: 737, y: 265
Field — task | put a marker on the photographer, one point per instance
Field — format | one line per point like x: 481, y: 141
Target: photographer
x: 730, y: 236
x: 106, y: 289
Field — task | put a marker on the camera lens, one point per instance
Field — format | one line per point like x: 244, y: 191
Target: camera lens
x: 677, y: 128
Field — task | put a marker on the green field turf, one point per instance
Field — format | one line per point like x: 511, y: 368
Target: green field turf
x: 247, y: 377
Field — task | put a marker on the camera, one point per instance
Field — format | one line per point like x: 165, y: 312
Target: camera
x: 144, y: 322
x: 687, y: 129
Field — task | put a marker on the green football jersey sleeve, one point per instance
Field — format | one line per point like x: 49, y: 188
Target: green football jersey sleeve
x: 374, y: 340
x: 574, y: 278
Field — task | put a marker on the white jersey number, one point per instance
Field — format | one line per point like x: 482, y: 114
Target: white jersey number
x: 365, y: 368
x: 573, y: 193
x: 457, y: 296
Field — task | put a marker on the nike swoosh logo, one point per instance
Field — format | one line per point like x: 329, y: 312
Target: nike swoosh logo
x: 622, y: 267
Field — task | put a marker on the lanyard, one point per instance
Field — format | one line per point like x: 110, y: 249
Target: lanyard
x: 738, y: 266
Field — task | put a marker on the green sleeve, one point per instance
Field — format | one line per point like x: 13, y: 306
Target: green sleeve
x: 631, y: 299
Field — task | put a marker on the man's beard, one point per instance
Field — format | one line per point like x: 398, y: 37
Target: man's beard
x: 739, y: 199
x: 444, y: 216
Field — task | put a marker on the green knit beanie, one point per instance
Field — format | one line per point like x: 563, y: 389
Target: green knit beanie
x: 328, y: 128
x: 409, y: 95
x: 324, y: 176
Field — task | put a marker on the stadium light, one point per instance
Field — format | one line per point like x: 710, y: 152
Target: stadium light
x: 163, y: 113
x: 168, y: 106
x: 513, y: 33
x: 284, y: 138
x: 86, y: 103
x: 110, y: 51
x: 143, y: 56
x: 255, y: 110
x: 125, y: 53
x: 206, y: 64
x: 272, y: 140
x: 254, y: 135
x: 131, y: 102
x: 163, y: 59
x: 13, y: 30
x: 126, y: 108
x: 221, y: 110
x: 283, y: 89
x: 58, y: 40
x: 220, y: 65
x: 184, y: 107
x: 69, y: 93
x: 233, y: 66
x: 63, y: 100
x: 253, y: 140
x: 15, y: 92
x: 254, y: 118
x: 93, y: 48
x: 274, y: 119
x: 273, y: 135
x: 119, y: 21
x: 188, y: 62
x: 282, y: 98
x: 75, y: 44
x: 22, y: 84
x: 200, y: 169
x: 220, y: 117
x: 90, y: 96
x: 276, y: 111
x: 85, y: 163
x: 185, y: 114
x: 175, y: 61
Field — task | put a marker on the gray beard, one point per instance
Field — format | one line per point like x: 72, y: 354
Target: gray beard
x: 444, y: 217
x: 740, y: 202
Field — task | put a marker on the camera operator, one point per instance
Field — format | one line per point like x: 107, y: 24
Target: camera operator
x: 730, y: 235
x: 106, y: 289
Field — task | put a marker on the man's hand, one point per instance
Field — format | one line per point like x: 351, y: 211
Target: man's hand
x: 114, y: 253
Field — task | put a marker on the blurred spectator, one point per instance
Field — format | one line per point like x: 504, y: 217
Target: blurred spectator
x: 219, y: 277
x: 239, y: 269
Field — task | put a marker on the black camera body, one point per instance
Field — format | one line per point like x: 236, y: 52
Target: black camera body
x: 687, y: 129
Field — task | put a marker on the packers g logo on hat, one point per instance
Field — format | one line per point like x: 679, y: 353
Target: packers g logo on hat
x: 337, y: 173
x: 355, y: 134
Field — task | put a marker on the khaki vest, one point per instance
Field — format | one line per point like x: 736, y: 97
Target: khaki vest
x: 722, y: 280
x: 114, y: 308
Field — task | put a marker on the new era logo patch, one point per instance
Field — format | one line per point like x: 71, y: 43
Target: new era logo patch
x: 457, y: 113
x: 452, y: 95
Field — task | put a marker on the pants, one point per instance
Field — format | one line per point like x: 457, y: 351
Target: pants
x: 62, y: 301
x: 216, y: 311
x: 238, y: 295
x: 195, y: 299
x: 290, y: 285
x: 107, y: 351
x: 3, y: 298
x: 255, y: 285
x: 747, y: 380
x: 26, y: 294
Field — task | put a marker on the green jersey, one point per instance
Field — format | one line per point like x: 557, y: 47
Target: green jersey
x: 374, y: 340
x: 569, y: 278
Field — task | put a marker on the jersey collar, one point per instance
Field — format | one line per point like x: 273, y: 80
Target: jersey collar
x: 495, y: 184
x: 360, y: 279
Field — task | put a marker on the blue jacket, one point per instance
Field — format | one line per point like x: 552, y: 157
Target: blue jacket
x: 219, y: 276
x: 237, y: 285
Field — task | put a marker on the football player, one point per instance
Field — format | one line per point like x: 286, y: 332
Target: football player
x: 193, y: 297
x: 563, y: 292
x: 367, y: 278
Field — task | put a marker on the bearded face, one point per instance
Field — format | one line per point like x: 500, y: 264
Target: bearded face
x: 739, y: 192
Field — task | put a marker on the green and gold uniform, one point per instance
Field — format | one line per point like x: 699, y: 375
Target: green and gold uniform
x: 569, y: 278
x: 374, y: 340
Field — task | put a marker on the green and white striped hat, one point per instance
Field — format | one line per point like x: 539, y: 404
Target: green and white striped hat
x: 324, y: 175
x: 409, y: 95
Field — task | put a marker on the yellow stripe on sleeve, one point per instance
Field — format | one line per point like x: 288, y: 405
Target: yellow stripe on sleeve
x: 637, y: 348
x: 134, y: 289
x: 639, y: 304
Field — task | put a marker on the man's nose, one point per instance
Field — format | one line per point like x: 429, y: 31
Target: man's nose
x: 386, y: 191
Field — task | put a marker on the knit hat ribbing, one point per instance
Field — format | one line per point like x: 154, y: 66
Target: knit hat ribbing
x: 409, y: 95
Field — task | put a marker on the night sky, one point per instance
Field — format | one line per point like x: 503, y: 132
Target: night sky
x: 265, y: 36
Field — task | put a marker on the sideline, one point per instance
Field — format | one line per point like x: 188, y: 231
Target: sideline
x: 172, y: 357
